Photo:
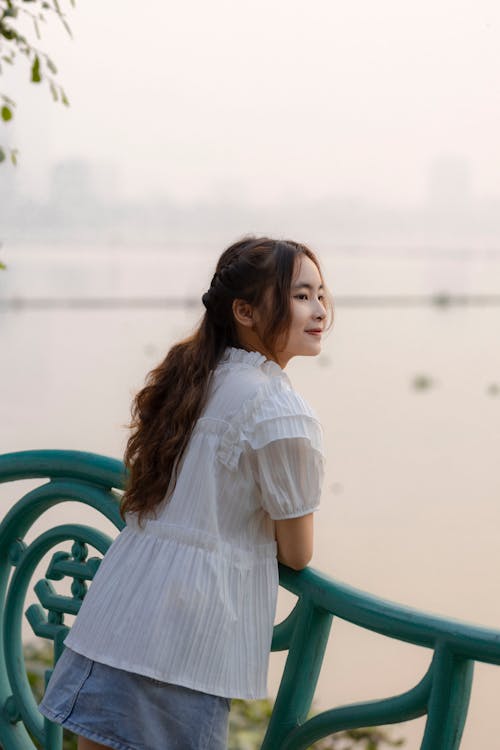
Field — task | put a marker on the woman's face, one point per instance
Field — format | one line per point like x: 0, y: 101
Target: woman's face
x: 308, y: 312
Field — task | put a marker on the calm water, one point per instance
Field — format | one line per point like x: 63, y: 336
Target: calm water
x: 411, y: 500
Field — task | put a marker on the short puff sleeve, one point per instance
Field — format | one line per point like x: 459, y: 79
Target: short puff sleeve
x: 289, y: 472
x: 284, y: 441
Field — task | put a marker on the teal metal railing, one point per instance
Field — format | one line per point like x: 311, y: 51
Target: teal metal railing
x: 442, y: 694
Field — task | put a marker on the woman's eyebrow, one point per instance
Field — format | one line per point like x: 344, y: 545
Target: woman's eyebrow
x: 308, y: 286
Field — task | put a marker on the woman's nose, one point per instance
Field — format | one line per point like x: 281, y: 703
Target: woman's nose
x: 321, y: 312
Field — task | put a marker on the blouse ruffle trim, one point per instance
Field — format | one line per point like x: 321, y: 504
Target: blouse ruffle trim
x: 275, y: 412
x: 234, y: 355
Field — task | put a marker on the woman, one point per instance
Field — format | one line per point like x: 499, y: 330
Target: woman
x: 225, y: 467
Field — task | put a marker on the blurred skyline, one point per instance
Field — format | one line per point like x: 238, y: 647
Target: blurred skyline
x: 268, y: 104
x: 81, y: 205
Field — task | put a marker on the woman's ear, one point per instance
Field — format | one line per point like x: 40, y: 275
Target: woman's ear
x: 243, y: 313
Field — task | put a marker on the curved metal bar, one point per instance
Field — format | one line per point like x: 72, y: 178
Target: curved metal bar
x: 403, y: 707
x: 14, y: 736
x: 283, y: 631
x: 31, y: 506
x: 394, y: 620
x: 91, y: 483
x: 89, y: 467
x: 300, y: 676
x: 90, y: 478
x: 14, y: 658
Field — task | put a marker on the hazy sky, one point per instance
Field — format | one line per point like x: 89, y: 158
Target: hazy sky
x: 268, y: 99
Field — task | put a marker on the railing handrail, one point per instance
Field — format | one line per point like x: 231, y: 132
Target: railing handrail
x: 391, y: 619
x: 346, y: 602
x: 84, y: 465
x: 442, y: 694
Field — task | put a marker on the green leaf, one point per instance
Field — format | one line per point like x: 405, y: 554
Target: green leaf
x: 64, y: 98
x: 2, y: 154
x: 6, y: 113
x: 7, y: 33
x: 13, y: 156
x: 53, y: 91
x: 35, y: 70
x: 2, y: 266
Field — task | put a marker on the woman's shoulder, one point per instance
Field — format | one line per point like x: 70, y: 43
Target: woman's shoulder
x: 274, y: 410
x: 278, y: 398
x: 259, y: 389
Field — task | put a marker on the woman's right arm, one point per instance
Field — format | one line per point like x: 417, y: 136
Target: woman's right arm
x: 285, y: 451
x: 295, y: 541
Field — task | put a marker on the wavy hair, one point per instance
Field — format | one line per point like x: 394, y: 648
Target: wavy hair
x: 165, y: 411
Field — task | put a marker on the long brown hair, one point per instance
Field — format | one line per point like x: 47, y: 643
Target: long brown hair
x: 165, y: 411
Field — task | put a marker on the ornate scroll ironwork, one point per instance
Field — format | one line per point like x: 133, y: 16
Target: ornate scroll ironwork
x: 442, y: 694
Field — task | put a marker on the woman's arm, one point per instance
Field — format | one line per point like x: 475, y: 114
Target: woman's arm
x: 295, y: 541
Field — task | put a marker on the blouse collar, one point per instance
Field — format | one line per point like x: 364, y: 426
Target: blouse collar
x: 242, y: 356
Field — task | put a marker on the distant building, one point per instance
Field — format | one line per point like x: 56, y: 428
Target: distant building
x: 450, y: 183
x: 105, y: 181
x: 71, y: 183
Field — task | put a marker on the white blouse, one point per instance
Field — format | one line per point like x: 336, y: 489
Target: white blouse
x: 191, y: 598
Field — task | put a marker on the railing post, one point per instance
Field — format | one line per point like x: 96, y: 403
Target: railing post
x: 302, y: 668
x: 448, y: 701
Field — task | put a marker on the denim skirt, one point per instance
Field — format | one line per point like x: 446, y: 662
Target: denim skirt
x: 130, y: 711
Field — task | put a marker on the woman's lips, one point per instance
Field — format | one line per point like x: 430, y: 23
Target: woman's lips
x: 314, y: 333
